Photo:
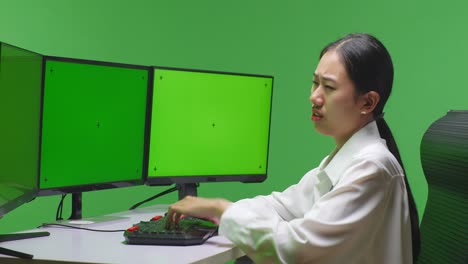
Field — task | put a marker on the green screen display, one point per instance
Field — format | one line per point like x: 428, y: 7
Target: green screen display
x: 93, y: 124
x: 20, y: 100
x: 209, y: 124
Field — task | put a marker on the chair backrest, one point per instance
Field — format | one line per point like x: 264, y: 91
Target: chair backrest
x: 444, y: 158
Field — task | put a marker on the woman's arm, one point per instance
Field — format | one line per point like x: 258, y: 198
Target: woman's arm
x: 281, y: 204
x: 337, y: 227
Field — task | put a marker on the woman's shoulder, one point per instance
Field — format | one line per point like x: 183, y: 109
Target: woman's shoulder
x: 378, y: 154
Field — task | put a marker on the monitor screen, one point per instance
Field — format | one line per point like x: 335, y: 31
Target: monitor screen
x: 20, y: 106
x: 208, y: 126
x: 93, y: 125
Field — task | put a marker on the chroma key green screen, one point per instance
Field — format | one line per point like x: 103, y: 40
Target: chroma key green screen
x: 209, y: 124
x: 20, y: 108
x: 93, y: 125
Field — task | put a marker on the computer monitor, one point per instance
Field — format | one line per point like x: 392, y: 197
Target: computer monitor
x: 208, y: 126
x: 93, y: 126
x: 20, y: 93
x: 20, y: 105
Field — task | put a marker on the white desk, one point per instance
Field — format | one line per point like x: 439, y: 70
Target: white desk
x: 96, y: 247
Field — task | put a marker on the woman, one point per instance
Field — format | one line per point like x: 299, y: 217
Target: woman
x: 356, y: 207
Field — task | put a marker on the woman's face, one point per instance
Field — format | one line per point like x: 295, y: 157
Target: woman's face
x: 336, y: 109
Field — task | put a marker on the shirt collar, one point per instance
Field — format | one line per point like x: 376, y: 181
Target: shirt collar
x: 365, y: 136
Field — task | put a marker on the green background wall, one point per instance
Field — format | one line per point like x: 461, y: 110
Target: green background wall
x: 427, y: 41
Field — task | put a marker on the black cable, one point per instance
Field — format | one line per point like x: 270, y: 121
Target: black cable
x: 76, y: 227
x: 154, y: 197
x: 58, y: 215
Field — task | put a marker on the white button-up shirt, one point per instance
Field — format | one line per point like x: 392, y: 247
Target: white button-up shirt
x: 352, y: 209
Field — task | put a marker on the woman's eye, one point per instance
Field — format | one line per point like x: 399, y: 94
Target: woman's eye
x: 329, y: 87
x: 315, y: 84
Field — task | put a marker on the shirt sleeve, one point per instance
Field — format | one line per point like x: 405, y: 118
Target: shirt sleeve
x: 335, y: 226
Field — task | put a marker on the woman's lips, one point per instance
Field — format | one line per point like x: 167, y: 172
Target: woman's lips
x: 316, y: 118
x: 316, y: 115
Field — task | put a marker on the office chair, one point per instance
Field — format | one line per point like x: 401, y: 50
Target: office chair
x: 444, y: 158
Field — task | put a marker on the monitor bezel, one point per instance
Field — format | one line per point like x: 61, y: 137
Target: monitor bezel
x: 62, y: 190
x: 195, y: 179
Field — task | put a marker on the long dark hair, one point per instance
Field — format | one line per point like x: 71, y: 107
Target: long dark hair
x: 370, y: 68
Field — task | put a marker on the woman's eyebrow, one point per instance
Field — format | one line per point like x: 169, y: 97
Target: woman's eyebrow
x: 325, y: 78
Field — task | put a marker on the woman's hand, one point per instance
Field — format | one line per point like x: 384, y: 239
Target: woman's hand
x: 209, y: 209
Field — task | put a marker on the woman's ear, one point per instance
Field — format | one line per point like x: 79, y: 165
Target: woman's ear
x: 370, y: 101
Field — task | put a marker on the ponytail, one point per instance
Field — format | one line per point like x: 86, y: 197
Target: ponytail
x: 386, y: 134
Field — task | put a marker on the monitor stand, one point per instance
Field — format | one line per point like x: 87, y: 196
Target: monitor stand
x: 18, y: 236
x: 187, y: 189
x: 76, y: 210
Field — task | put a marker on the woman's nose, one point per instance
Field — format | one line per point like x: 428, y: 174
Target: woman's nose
x: 316, y: 97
